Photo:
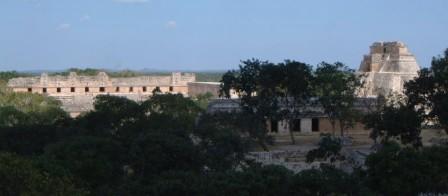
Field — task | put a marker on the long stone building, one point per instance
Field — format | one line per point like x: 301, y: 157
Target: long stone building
x: 77, y: 93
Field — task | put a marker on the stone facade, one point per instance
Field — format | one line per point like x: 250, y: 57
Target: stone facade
x: 385, y: 70
x: 77, y: 93
x: 312, y: 120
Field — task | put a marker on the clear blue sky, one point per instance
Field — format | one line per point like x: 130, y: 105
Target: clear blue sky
x: 211, y: 34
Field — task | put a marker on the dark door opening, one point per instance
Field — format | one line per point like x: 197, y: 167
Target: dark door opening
x: 296, y: 125
x: 274, y: 126
x: 315, y: 124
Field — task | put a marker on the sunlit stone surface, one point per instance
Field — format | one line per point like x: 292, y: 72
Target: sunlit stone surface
x: 388, y: 66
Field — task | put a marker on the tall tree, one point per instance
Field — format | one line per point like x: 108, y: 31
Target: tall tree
x: 21, y: 176
x: 297, y: 91
x: 397, y: 121
x: 428, y: 93
x: 258, y: 109
x: 335, y: 87
x: 271, y: 91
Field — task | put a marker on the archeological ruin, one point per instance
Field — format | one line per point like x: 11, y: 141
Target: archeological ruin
x: 385, y: 70
x: 77, y: 93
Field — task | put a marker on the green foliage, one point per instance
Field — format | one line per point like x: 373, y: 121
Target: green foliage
x: 327, y: 181
x: 168, y: 146
x: 429, y: 91
x: 395, y: 121
x: 270, y: 91
x: 7, y: 75
x: 29, y: 109
x: 209, y: 76
x: 124, y: 74
x: 111, y: 115
x: 329, y: 148
x: 21, y: 176
x: 96, y: 163
x: 202, y: 100
x: 85, y: 72
x: 408, y: 171
x: 200, y: 76
x: 181, y: 111
x: 222, y: 144
x: 335, y: 86
x: 156, y: 91
x: 159, y: 151
x: 31, y: 139
x: 176, y: 183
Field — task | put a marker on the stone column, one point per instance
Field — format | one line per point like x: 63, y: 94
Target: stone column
x: 283, y: 127
x: 305, y: 125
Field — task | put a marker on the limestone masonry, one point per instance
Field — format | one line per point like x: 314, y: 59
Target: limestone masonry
x: 77, y: 93
x: 388, y: 66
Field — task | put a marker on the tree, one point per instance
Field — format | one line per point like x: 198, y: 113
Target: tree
x: 111, y: 114
x: 95, y: 162
x: 329, y: 149
x: 158, y: 151
x: 335, y: 86
x: 202, y: 100
x: 253, y: 180
x: 297, y: 87
x: 256, y: 108
x: 407, y: 171
x: 21, y: 176
x: 181, y: 111
x: 10, y: 116
x: 156, y: 91
x: 31, y: 139
x: 29, y: 109
x: 396, y: 120
x: 221, y: 141
x: 270, y: 91
x: 5, y: 76
x: 327, y: 180
x: 428, y: 93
